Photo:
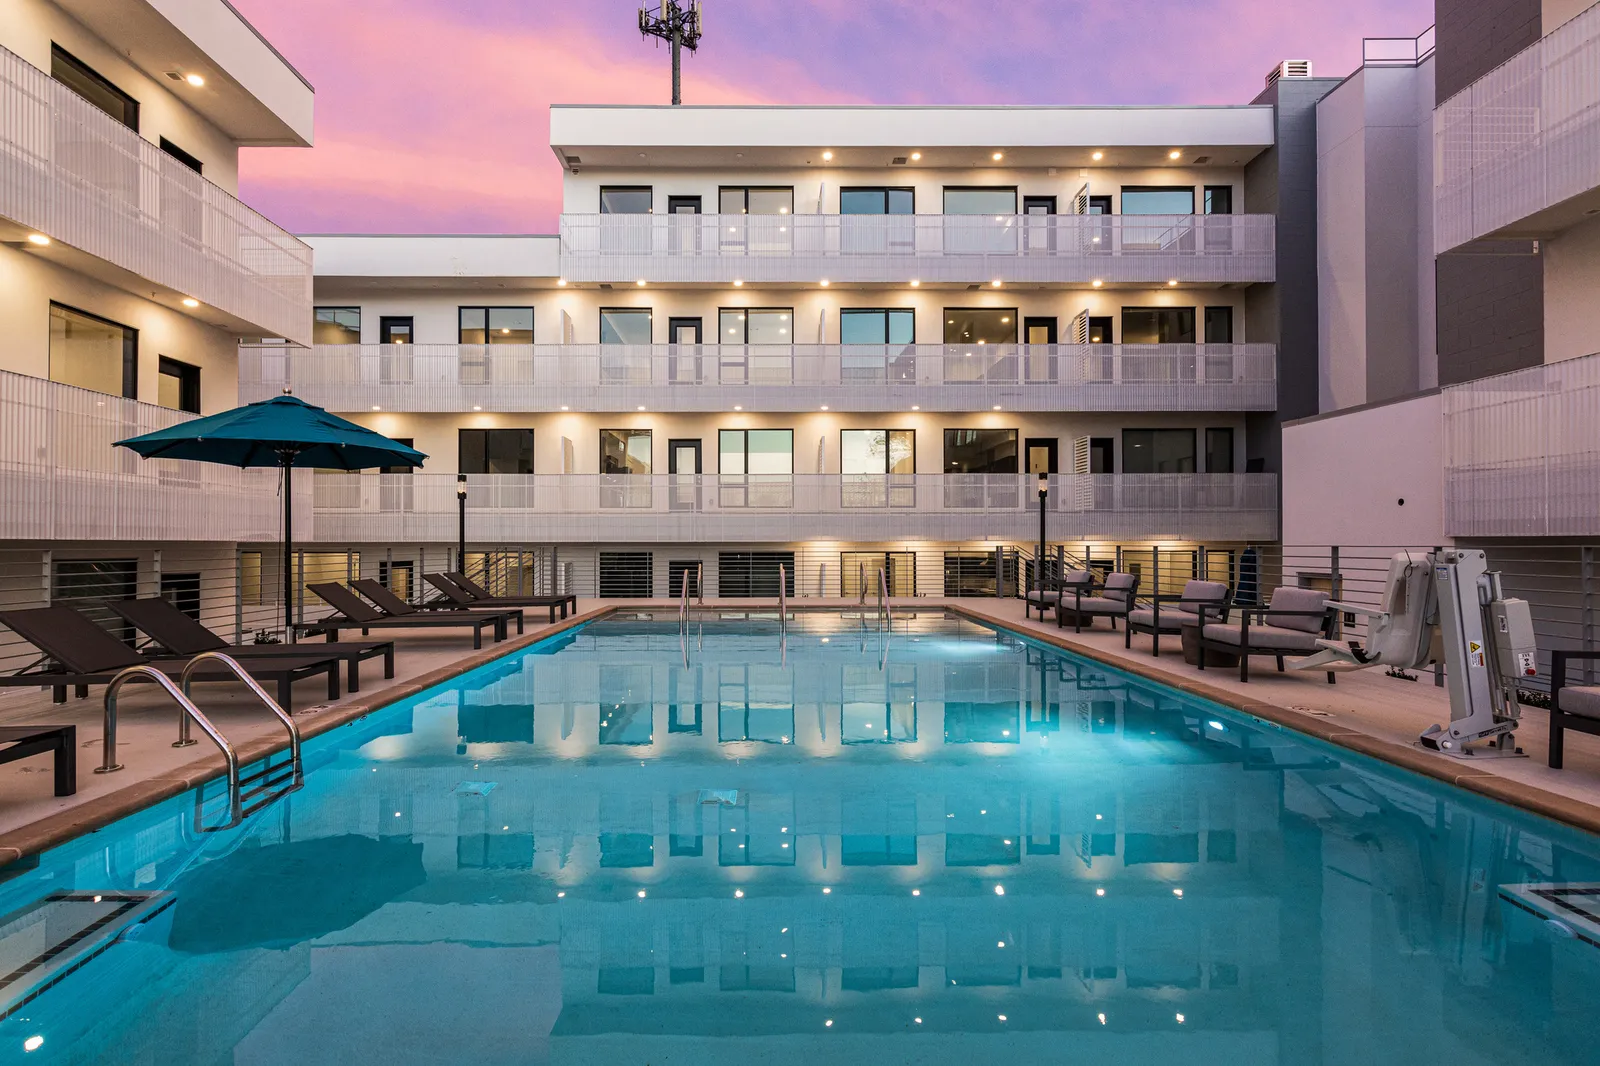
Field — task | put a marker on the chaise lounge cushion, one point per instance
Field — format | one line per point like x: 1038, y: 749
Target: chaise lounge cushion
x: 1263, y: 638
x: 1583, y: 700
x: 1177, y: 615
x: 1073, y: 577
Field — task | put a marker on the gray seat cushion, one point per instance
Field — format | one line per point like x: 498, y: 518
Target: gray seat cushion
x: 1290, y: 598
x: 1215, y: 591
x: 1172, y: 618
x: 1073, y: 577
x: 1581, y: 700
x: 1263, y: 638
x: 1096, y: 605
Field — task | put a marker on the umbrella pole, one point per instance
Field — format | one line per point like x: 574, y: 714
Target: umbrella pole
x: 288, y: 551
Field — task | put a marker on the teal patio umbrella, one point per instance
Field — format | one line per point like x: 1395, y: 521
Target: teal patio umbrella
x: 283, y: 432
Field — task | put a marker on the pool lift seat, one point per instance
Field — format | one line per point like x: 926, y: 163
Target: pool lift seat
x: 1448, y: 606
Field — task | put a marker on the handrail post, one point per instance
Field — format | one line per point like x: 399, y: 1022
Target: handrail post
x: 783, y: 600
x: 110, y: 765
x: 700, y: 583
x: 186, y: 679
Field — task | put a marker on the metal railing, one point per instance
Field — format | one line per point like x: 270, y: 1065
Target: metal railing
x: 674, y: 248
x: 62, y: 479
x: 696, y: 508
x: 1522, y: 138
x: 769, y: 377
x: 75, y: 174
x: 1398, y: 51
x: 1522, y: 452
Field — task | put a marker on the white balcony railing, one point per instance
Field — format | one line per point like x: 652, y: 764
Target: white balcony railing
x: 712, y: 508
x: 73, y: 173
x: 1522, y: 452
x: 853, y: 377
x: 930, y: 248
x: 61, y: 479
x: 1520, y: 139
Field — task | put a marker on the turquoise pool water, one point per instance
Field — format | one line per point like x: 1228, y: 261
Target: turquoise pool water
x: 952, y: 846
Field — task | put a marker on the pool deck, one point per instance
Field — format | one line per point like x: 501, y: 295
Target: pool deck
x: 1365, y: 712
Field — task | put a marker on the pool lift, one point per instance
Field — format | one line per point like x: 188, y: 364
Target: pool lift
x: 1448, y: 606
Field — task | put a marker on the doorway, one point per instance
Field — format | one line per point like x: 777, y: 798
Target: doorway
x: 683, y: 367
x: 1041, y: 453
x: 683, y: 205
x: 1038, y: 331
x: 1038, y: 334
x: 683, y: 468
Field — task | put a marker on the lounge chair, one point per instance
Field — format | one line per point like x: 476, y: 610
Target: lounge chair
x: 356, y: 613
x: 82, y: 654
x: 61, y: 741
x: 175, y: 633
x: 1185, y: 611
x: 1571, y: 706
x: 566, y: 600
x: 1292, y: 623
x: 1049, y: 599
x: 389, y: 603
x: 1115, y: 601
x: 455, y: 595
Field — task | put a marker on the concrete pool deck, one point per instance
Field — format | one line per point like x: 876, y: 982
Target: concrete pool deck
x: 1365, y: 712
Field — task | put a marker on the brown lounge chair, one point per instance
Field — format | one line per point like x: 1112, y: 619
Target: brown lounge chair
x: 565, y: 600
x: 175, y: 633
x: 1050, y: 599
x: 83, y: 654
x: 456, y: 596
x: 389, y: 603
x: 1571, y: 706
x: 1291, y: 624
x: 60, y: 740
x: 1115, y: 601
x: 356, y: 613
x: 1185, y: 611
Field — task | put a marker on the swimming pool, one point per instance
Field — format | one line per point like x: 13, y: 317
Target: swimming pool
x: 949, y: 845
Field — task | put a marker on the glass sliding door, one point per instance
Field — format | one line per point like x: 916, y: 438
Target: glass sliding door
x: 866, y: 226
x: 771, y: 233
x: 877, y: 468
x: 972, y: 459
x: 757, y: 345
x: 625, y: 466
x: 877, y: 343
x: 756, y: 467
x: 990, y: 222
x: 625, y: 338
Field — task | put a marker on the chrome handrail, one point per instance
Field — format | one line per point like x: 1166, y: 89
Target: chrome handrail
x: 861, y: 583
x: 700, y: 583
x: 783, y: 600
x: 186, y: 679
x: 189, y: 710
x: 883, y: 600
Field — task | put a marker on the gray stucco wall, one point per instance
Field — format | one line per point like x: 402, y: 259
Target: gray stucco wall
x: 1475, y: 36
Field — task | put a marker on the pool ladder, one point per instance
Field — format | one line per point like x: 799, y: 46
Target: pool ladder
x: 275, y: 781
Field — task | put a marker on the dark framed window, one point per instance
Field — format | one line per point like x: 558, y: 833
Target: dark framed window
x: 496, y: 325
x: 1219, y: 325
x: 183, y: 592
x: 980, y: 200
x: 1102, y: 455
x: 980, y: 451
x: 495, y: 451
x: 877, y: 451
x: 178, y: 385
x: 756, y: 200
x: 1158, y: 325
x: 755, y: 451
x: 181, y: 156
x: 624, y: 325
x: 94, y: 87
x: 755, y: 325
x: 93, y: 353
x: 1158, y: 199
x: 980, y: 325
x: 625, y: 451
x: 336, y: 325
x: 1158, y: 451
x: 626, y: 199
x: 683, y: 205
x: 1218, y: 199
x: 877, y: 325
x: 1098, y: 330
x: 395, y: 329
x: 1219, y: 450
x: 1099, y: 205
x: 86, y: 584
x: 409, y: 442
x: 877, y: 201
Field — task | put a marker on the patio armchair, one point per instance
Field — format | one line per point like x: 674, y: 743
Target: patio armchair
x: 1049, y: 599
x: 1114, y: 600
x: 1291, y: 624
x: 1184, y: 610
x: 1571, y: 706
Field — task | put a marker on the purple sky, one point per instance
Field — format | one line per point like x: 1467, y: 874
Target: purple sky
x: 432, y: 114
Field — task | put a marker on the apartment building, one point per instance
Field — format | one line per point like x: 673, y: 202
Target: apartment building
x: 129, y: 274
x: 831, y: 340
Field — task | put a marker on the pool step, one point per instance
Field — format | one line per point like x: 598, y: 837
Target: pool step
x: 51, y: 937
x: 1574, y: 907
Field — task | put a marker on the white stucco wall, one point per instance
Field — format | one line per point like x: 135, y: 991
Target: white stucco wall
x: 1571, y: 280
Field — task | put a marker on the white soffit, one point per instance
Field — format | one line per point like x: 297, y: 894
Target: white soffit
x: 465, y: 261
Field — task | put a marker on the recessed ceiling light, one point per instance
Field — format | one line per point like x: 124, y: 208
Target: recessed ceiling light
x: 738, y: 283
x: 195, y: 80
x: 561, y: 283
x: 1098, y: 156
x: 824, y: 283
x: 827, y: 157
x: 564, y: 407
x: 915, y: 407
x: 995, y: 284
x: 998, y: 156
x: 640, y: 283
x: 738, y: 407
x: 1174, y: 154
x: 38, y: 238
x: 190, y: 301
x: 641, y: 408
x: 915, y: 283
x: 997, y: 407
x: 504, y: 330
x: 477, y: 408
x: 824, y: 407
x: 1097, y: 283
x: 915, y: 156
x: 1172, y: 283
x: 375, y: 407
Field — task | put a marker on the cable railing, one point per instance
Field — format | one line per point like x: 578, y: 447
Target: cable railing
x: 73, y: 173
x: 678, y: 248
x: 768, y: 377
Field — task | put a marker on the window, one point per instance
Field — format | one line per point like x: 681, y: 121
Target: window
x: 1219, y: 450
x: 756, y: 200
x: 683, y: 205
x: 84, y: 80
x: 1102, y: 455
x: 395, y: 329
x: 1219, y: 325
x: 1158, y: 325
x: 1157, y: 200
x: 625, y: 199
x: 409, y: 442
x: 877, y: 325
x: 181, y: 156
x: 495, y: 451
x: 336, y: 325
x: 882, y: 201
x: 93, y: 352
x: 980, y: 451
x: 1098, y: 330
x: 755, y: 451
x: 1099, y: 205
x: 1219, y: 199
x: 982, y: 201
x: 755, y: 325
x: 996, y: 325
x: 626, y: 575
x: 624, y: 325
x: 1158, y: 451
x: 183, y: 592
x: 877, y: 451
x: 743, y: 574
x: 496, y: 325
x: 87, y: 583
x: 178, y: 386
x: 250, y: 579
x: 398, y: 576
x: 625, y: 451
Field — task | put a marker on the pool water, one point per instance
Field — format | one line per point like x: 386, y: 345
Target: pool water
x: 947, y: 845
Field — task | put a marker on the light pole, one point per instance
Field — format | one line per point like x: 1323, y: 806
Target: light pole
x: 1044, y: 490
x: 461, y: 525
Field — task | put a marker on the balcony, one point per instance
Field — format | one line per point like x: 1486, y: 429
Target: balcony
x: 1519, y: 149
x: 1067, y: 249
x: 61, y: 479
x: 1522, y: 453
x: 666, y: 377
x: 870, y: 508
x: 71, y: 172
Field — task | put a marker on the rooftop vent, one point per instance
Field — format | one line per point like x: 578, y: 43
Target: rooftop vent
x: 898, y: 161
x: 1290, y: 68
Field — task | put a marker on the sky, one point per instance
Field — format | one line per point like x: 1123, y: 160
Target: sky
x: 432, y: 116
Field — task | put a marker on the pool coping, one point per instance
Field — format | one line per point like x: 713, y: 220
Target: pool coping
x: 92, y: 815
x: 1531, y: 798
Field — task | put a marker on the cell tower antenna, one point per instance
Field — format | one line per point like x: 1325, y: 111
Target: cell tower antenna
x: 678, y: 24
